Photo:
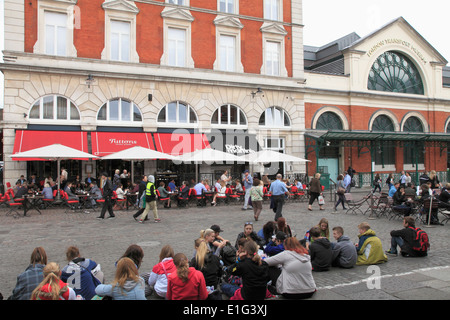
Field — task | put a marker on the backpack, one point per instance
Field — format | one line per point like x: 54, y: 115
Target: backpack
x: 228, y: 254
x: 421, y: 241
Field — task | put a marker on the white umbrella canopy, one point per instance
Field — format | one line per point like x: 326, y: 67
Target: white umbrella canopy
x: 138, y: 153
x: 210, y: 156
x: 55, y: 152
x: 265, y: 156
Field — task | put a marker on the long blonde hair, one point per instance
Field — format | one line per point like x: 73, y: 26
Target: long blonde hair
x: 201, y: 251
x: 51, y: 278
x: 126, y: 270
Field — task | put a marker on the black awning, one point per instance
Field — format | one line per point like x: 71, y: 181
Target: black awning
x: 378, y: 136
x: 238, y: 142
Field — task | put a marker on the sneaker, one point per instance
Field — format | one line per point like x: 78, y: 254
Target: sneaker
x: 157, y: 220
x: 391, y: 253
x: 111, y: 217
x: 140, y: 221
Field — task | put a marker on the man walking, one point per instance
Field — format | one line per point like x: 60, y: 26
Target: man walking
x: 347, y: 182
x: 140, y: 199
x: 278, y: 190
x: 150, y: 200
x: 107, y: 195
x: 248, y: 183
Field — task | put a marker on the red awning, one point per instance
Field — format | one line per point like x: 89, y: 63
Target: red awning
x: 31, y: 139
x: 177, y: 144
x: 105, y: 143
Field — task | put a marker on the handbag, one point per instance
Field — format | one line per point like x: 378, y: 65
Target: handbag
x: 321, y: 200
x: 340, y: 190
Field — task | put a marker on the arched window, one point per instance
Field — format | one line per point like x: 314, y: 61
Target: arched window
x: 54, y: 107
x: 119, y: 110
x: 177, y: 112
x: 229, y: 115
x: 411, y: 151
x: 274, y: 117
x: 394, y: 72
x: 329, y: 121
x: 385, y: 152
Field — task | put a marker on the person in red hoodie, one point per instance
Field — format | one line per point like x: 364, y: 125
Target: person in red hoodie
x: 52, y: 288
x: 187, y: 283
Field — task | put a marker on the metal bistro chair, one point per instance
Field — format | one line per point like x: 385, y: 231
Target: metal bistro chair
x: 354, y: 206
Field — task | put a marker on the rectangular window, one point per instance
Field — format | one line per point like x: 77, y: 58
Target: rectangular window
x: 226, y: 6
x: 55, y: 33
x: 114, y: 110
x: 227, y: 53
x: 179, y: 2
x: 177, y: 47
x: 48, y: 107
x: 271, y: 9
x: 272, y: 58
x: 120, y: 41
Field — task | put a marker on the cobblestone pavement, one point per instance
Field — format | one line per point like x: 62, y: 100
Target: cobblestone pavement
x: 105, y: 240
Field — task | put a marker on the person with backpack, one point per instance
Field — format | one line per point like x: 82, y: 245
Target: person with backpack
x: 412, y: 241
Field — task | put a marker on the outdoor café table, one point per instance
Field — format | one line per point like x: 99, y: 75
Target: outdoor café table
x: 131, y: 199
x: 30, y: 202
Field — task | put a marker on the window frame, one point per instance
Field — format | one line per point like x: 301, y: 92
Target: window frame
x: 181, y: 43
x: 187, y: 123
x: 235, y: 6
x: 228, y: 124
x: 228, y: 26
x: 54, y: 119
x: 285, y: 116
x: 120, y: 121
x: 66, y: 7
x: 268, y: 14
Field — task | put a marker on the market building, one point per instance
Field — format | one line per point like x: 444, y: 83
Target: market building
x: 378, y: 104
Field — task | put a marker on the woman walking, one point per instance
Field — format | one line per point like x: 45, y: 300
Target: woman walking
x: 340, y: 191
x: 315, y: 190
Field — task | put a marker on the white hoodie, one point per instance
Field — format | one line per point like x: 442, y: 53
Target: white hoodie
x: 296, y: 272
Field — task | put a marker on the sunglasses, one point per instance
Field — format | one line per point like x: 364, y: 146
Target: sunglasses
x: 247, y: 223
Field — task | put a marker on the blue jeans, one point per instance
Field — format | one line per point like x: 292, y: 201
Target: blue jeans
x: 396, y: 241
x: 228, y: 289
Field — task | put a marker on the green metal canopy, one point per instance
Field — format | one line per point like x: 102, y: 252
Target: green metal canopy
x: 378, y: 136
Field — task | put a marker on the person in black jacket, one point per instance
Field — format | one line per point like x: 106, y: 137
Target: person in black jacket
x: 320, y: 251
x: 404, y: 239
x: 142, y: 186
x: 107, y: 195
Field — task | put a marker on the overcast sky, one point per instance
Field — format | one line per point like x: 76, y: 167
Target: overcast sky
x: 328, y: 20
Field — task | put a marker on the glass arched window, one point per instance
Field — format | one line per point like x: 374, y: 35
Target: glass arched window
x: 410, y: 151
x: 385, y: 152
x: 274, y: 117
x: 177, y: 112
x: 54, y: 107
x: 120, y: 110
x: 329, y: 121
x: 394, y: 72
x: 229, y: 115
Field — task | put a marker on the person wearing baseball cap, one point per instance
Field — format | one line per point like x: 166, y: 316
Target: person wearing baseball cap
x: 218, y: 239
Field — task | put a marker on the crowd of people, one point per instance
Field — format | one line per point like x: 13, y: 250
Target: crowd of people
x: 259, y: 265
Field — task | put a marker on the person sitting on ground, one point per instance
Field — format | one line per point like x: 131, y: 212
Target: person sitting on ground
x: 254, y: 272
x: 52, y: 287
x: 158, y: 277
x: 344, y: 252
x: 186, y: 283
x: 136, y: 254
x: 164, y: 194
x: 207, y: 263
x: 283, y: 226
x: 210, y: 239
x: 33, y: 275
x: 406, y: 240
x: 369, y: 247
x: 267, y: 231
x: 248, y: 233
x: 218, y: 238
x: 320, y: 251
x: 294, y: 280
x: 276, y: 245
x: 324, y: 228
x: 127, y: 284
x: 90, y: 274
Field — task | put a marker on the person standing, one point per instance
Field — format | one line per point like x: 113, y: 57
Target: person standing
x: 150, y: 200
x: 347, y: 182
x: 315, y: 190
x: 278, y: 190
x: 140, y: 198
x: 248, y: 183
x: 107, y: 195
